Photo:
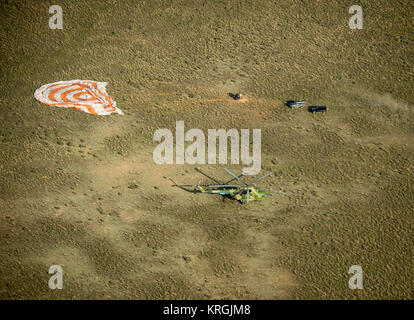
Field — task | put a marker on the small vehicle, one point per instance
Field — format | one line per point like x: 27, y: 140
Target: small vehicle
x: 236, y: 96
x: 314, y: 109
x: 296, y: 103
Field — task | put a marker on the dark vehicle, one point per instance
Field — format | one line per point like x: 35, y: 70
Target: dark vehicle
x: 314, y: 109
x: 296, y: 103
x: 236, y: 96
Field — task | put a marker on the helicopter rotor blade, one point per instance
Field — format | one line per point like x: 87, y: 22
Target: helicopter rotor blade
x: 233, y: 179
x: 185, y: 186
x: 271, y: 190
x: 284, y: 193
x: 261, y: 178
x: 225, y: 185
x: 228, y: 171
x: 206, y: 185
x: 188, y: 185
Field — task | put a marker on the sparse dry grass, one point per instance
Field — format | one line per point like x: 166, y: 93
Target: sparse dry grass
x: 68, y: 179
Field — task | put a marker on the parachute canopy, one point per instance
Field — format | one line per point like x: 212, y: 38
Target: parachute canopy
x: 84, y: 95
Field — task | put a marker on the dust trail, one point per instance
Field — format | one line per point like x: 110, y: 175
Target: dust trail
x: 382, y: 100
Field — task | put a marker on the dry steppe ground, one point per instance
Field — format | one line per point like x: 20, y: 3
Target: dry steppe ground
x: 83, y: 191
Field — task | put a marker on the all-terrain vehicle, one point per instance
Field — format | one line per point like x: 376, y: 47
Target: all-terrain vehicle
x: 314, y: 109
x: 296, y: 103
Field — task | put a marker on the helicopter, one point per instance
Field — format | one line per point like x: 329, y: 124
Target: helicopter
x: 244, y: 192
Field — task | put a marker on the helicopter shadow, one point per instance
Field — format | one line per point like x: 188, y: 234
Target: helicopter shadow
x: 184, y: 187
x: 218, y: 182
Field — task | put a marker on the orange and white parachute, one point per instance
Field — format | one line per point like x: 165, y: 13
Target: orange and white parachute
x: 84, y: 95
